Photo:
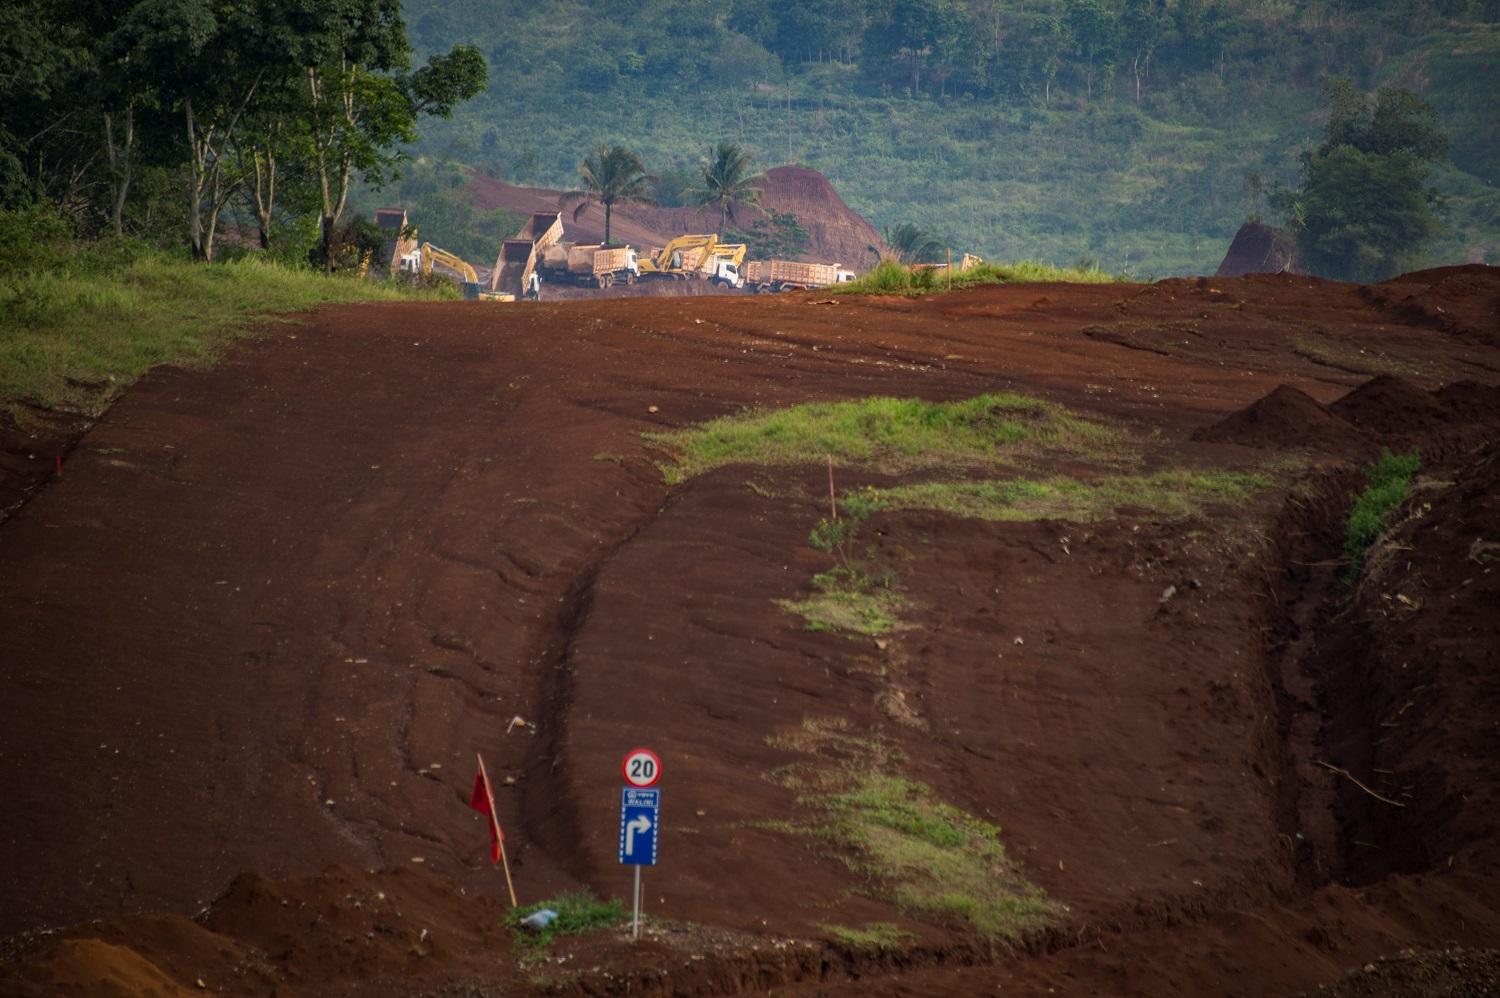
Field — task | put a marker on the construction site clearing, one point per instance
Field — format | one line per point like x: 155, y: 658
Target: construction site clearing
x: 537, y: 256
x: 1003, y: 641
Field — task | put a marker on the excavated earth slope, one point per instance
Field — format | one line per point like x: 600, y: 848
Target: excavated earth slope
x: 255, y: 634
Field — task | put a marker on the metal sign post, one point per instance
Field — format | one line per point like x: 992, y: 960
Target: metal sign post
x: 640, y: 810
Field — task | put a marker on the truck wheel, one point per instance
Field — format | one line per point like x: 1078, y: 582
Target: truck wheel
x: 630, y: 277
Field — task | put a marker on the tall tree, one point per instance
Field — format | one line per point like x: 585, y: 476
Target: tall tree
x: 727, y: 181
x: 1366, y: 208
x: 209, y: 59
x: 1096, y: 31
x: 610, y: 175
x: 360, y: 103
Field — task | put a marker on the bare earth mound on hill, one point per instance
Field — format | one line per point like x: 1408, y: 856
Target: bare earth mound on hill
x: 1081, y: 706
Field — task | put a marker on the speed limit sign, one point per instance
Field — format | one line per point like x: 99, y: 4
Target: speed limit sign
x: 642, y: 768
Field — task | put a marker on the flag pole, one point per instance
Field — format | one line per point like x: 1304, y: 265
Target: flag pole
x: 504, y: 862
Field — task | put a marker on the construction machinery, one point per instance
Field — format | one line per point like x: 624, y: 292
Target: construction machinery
x: 468, y: 280
x: 698, y: 257
x: 520, y: 254
x: 793, y: 275
x: 590, y: 263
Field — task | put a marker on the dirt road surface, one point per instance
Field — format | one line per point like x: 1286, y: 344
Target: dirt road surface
x: 254, y: 636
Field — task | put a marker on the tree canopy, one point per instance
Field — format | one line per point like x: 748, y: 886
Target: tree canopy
x: 1366, y: 207
x: 609, y: 175
x: 226, y: 97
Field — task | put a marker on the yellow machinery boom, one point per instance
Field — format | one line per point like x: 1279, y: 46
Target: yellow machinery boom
x: 431, y: 254
x: 684, y: 254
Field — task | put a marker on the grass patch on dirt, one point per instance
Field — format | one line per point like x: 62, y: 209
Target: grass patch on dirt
x: 889, y: 433
x: 844, y: 601
x: 577, y: 913
x: 1176, y: 493
x: 892, y: 278
x: 1387, y: 484
x: 915, y: 849
x: 878, y: 936
x: 76, y: 332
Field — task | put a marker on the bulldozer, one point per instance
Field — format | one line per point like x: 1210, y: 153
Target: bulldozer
x: 468, y: 279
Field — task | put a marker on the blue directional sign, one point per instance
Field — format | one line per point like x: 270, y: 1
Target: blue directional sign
x: 638, y: 824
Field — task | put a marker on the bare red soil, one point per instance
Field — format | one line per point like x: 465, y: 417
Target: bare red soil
x: 836, y: 234
x: 255, y: 633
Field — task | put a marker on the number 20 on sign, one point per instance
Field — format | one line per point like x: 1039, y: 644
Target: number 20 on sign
x: 642, y: 768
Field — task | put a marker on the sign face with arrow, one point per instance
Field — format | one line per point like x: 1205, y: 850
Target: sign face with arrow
x: 638, y: 824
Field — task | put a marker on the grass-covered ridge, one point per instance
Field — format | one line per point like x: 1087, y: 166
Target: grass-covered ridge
x: 892, y: 278
x: 79, y: 325
x: 889, y: 433
x: 1387, y: 484
x: 1173, y: 493
x: 914, y: 848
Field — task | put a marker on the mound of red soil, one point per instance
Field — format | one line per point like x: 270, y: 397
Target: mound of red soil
x: 1389, y: 405
x: 1287, y: 417
x: 836, y: 234
x: 1464, y: 300
x: 1259, y: 249
x: 1471, y: 401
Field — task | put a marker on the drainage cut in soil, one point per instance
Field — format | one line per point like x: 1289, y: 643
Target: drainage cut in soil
x: 889, y: 433
x: 918, y: 851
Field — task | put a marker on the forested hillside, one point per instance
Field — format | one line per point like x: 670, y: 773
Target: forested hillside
x: 1117, y: 130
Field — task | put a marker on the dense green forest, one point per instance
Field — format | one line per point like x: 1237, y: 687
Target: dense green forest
x: 1122, y: 131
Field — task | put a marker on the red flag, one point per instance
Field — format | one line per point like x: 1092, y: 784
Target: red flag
x: 483, y: 801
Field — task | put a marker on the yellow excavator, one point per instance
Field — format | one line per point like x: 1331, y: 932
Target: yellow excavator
x: 698, y: 256
x: 468, y: 279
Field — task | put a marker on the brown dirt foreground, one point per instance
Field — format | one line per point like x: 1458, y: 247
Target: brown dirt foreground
x: 254, y: 635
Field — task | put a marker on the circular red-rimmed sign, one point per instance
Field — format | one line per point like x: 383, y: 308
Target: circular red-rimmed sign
x: 641, y: 768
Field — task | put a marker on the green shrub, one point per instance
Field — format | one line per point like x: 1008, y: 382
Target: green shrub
x: 1387, y: 484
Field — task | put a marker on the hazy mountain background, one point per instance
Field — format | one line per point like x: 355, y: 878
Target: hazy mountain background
x: 1122, y: 131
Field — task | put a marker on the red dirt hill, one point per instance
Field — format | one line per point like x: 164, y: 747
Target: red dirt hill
x: 836, y: 233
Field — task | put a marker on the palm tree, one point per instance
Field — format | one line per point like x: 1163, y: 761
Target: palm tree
x: 727, y: 181
x: 913, y: 244
x: 611, y: 175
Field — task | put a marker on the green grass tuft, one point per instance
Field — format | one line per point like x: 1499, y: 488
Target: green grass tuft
x: 577, y: 912
x: 892, y: 278
x: 889, y: 433
x: 842, y: 603
x: 923, y: 853
x: 1174, y: 493
x: 76, y: 332
x: 1387, y: 484
x: 878, y: 936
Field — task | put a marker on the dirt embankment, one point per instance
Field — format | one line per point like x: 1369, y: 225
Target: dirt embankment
x: 256, y: 632
x: 836, y: 234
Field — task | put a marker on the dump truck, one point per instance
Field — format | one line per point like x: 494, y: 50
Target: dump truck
x: 468, y: 280
x: 590, y: 263
x: 520, y: 254
x: 766, y: 276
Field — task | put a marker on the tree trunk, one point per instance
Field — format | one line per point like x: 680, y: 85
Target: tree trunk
x: 608, y: 208
x: 1135, y: 68
x: 121, y: 166
x: 201, y: 251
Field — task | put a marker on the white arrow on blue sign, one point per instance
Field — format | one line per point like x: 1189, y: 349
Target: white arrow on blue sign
x: 638, y: 826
